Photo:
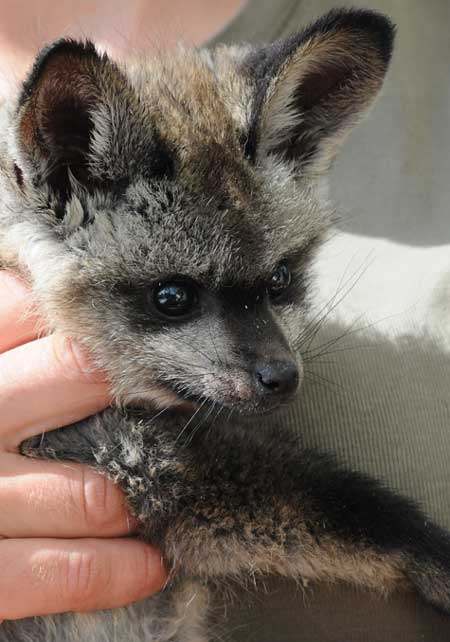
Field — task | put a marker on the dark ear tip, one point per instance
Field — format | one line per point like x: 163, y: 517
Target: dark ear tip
x: 376, y: 24
x: 63, y: 46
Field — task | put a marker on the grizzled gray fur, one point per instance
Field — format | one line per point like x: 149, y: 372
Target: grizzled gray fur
x: 165, y: 214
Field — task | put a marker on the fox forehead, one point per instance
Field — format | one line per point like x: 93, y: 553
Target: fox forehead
x: 163, y: 229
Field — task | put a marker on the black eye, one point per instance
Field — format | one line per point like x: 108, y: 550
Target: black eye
x: 175, y: 298
x: 279, y: 281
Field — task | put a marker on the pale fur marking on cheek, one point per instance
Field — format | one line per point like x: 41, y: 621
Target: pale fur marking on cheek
x: 43, y: 259
x: 160, y: 396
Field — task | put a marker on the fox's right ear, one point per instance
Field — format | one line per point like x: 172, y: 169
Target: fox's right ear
x: 311, y: 89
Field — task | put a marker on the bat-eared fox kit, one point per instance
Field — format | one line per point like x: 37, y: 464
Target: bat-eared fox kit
x: 166, y: 214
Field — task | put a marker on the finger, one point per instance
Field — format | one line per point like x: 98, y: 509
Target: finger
x: 46, y: 576
x: 46, y: 384
x: 48, y: 499
x: 18, y: 324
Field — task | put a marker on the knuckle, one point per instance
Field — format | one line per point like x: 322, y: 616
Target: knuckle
x: 86, y: 580
x: 101, y: 503
x: 149, y: 575
x: 73, y: 361
x: 141, y: 584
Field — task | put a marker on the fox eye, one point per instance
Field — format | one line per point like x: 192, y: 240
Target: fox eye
x: 176, y: 298
x: 279, y: 281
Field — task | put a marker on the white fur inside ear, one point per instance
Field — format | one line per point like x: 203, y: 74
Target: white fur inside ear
x: 74, y: 214
x: 40, y: 255
x: 280, y: 116
x: 101, y: 136
x: 351, y: 74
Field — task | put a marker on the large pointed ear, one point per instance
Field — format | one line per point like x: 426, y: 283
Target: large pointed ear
x: 81, y: 123
x: 311, y: 89
x: 55, y: 117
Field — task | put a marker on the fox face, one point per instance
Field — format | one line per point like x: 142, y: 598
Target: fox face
x: 167, y: 212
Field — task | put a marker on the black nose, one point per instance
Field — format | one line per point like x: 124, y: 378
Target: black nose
x: 278, y: 377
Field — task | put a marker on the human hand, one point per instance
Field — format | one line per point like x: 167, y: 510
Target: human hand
x: 61, y: 524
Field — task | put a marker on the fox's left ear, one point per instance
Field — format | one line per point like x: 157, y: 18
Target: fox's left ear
x: 55, y: 119
x: 311, y: 89
x: 80, y: 124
